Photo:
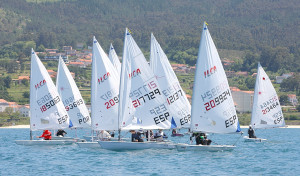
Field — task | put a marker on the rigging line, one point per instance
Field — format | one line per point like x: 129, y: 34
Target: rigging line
x: 238, y: 138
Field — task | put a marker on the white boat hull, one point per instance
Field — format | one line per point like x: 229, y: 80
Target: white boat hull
x: 126, y: 145
x: 45, y: 142
x: 88, y: 144
x: 210, y: 148
x: 247, y: 139
x: 62, y: 138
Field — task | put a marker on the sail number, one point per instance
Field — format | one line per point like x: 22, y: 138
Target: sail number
x: 81, y: 118
x: 214, y: 91
x: 74, y: 104
x: 112, y: 102
x: 269, y: 108
x: 270, y: 101
x: 162, y: 110
x: 230, y: 121
x: 49, y: 104
x: 217, y: 101
x: 278, y: 117
x: 62, y: 119
x: 185, y: 119
x: 171, y: 99
x: 149, y: 96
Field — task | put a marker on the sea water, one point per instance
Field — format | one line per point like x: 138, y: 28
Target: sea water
x: 279, y: 155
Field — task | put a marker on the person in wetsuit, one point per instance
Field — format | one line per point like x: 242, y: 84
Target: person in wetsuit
x: 251, y: 132
x: 201, y: 139
x: 61, y: 133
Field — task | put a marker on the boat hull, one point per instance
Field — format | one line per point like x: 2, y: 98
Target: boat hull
x: 45, y: 142
x: 210, y: 148
x: 247, y: 139
x: 126, y: 145
x: 88, y: 144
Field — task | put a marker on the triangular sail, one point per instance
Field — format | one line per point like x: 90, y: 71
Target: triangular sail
x: 105, y: 91
x: 71, y: 97
x: 142, y: 103
x: 212, y: 104
x: 266, y: 111
x: 113, y: 57
x: 178, y: 103
x: 46, y: 108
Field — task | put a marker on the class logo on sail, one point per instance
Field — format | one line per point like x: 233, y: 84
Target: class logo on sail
x: 40, y: 84
x: 135, y: 73
x: 210, y: 71
x: 103, y: 78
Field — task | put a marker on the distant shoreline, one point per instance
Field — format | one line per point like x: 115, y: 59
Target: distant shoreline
x: 28, y: 126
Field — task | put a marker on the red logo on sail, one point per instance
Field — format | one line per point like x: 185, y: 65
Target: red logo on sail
x: 210, y: 71
x: 104, y: 77
x: 39, y: 85
x: 135, y: 73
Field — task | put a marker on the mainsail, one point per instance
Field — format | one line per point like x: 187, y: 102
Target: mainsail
x: 142, y: 104
x: 105, y: 91
x: 212, y: 104
x: 179, y: 105
x: 266, y: 111
x: 71, y: 97
x: 46, y: 106
x: 113, y: 57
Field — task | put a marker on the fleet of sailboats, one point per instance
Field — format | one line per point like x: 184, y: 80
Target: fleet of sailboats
x: 266, y: 109
x: 137, y: 96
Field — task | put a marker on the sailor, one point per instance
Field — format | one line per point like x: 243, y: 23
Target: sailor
x: 46, y: 135
x: 251, y: 132
x: 61, y: 132
x: 201, y: 138
x: 136, y: 137
x: 103, y: 135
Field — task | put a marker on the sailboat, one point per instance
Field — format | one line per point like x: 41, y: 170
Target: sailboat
x: 213, y: 109
x: 179, y: 105
x: 113, y: 57
x: 104, y: 93
x: 266, y: 109
x: 71, y: 98
x: 142, y: 105
x: 46, y: 106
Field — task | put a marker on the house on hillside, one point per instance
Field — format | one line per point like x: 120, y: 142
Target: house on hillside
x: 20, y: 78
x: 52, y: 73
x: 279, y: 79
x: 5, y: 104
x: 24, y: 111
x: 293, y: 99
x: 242, y: 99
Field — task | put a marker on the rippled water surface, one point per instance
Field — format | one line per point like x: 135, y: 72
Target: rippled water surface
x: 279, y: 155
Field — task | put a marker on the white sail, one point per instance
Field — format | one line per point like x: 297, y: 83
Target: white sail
x: 113, y: 57
x: 212, y: 104
x: 71, y: 97
x: 179, y: 105
x: 266, y: 111
x: 105, y: 91
x: 142, y: 103
x: 46, y: 107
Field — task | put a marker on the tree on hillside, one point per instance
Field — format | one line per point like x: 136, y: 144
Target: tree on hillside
x: 283, y: 99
